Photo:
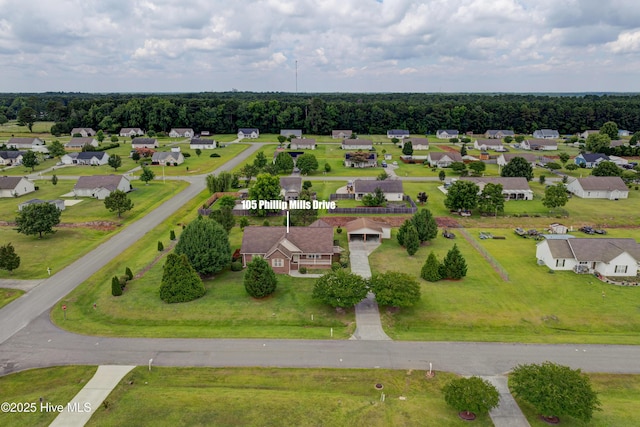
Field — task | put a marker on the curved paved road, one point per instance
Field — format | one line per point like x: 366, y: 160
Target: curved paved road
x: 28, y: 339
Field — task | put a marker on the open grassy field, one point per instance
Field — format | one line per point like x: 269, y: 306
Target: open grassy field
x: 8, y: 295
x: 225, y: 311
x: 533, y: 306
x: 619, y: 396
x: 56, y: 386
x: 278, y: 397
x: 12, y: 128
x: 70, y: 242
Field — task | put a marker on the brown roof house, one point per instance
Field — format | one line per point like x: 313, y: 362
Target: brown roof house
x: 392, y: 188
x: 599, y: 187
x: 608, y: 257
x: 417, y: 143
x: 539, y: 144
x: 288, y: 250
x: 290, y: 187
x: 513, y: 188
x: 15, y: 186
x: 100, y: 186
x: 367, y: 230
x: 505, y: 158
x: 167, y: 158
x: 33, y: 144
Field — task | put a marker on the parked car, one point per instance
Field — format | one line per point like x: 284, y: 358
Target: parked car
x: 588, y: 230
x: 448, y: 235
x: 600, y: 231
x: 384, y: 164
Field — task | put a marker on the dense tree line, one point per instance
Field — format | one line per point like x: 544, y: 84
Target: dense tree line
x: 225, y: 112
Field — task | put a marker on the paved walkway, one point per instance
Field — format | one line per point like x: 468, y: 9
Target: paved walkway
x: 508, y: 413
x: 78, y: 412
x: 368, y: 325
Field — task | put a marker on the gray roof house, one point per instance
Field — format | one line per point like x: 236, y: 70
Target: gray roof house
x: 590, y: 160
x: 447, y: 133
x: 539, y: 144
x: 248, y: 133
x: 202, y: 143
x: 131, y: 132
x: 11, y: 157
x: 57, y: 203
x: 167, y: 158
x: 144, y: 143
x: 296, y: 133
x: 93, y: 158
x: 442, y: 159
x: 416, y: 143
x: 361, y: 159
x: 599, y: 187
x: 83, y: 132
x: 303, y: 144
x: 77, y: 143
x: 498, y: 133
x: 15, y: 186
x: 181, y: 133
x: 33, y: 144
x: 606, y: 256
x: 505, y: 158
x: 392, y: 188
x: 488, y: 144
x: 357, y: 144
x: 341, y: 134
x: 290, y: 187
x: 100, y: 186
x: 546, y: 134
x: 513, y: 188
x: 398, y: 133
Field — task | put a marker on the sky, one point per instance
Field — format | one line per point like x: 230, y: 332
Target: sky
x: 320, y: 45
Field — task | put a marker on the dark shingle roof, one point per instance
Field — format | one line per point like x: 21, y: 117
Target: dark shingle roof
x: 456, y: 157
x: 291, y: 183
x: 260, y: 240
x: 9, y: 182
x: 369, y: 186
x: 143, y: 141
x: 594, y: 249
x: 80, y: 141
x: 529, y: 157
x: 11, y: 154
x: 602, y: 183
x: 348, y: 142
x: 592, y: 157
x: 110, y: 182
x: 88, y: 155
x: 508, y: 183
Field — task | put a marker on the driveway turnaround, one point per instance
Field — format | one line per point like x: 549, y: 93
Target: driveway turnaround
x: 78, y: 412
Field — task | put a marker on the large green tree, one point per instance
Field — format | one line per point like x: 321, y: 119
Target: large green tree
x: 431, y: 268
x: 491, y: 199
x: 471, y: 395
x: 402, y: 231
x: 377, y: 198
x: 411, y: 240
x: 259, y: 279
x: 115, y: 161
x: 206, y: 245
x: 425, y: 225
x: 9, y: 259
x: 307, y: 163
x: 260, y: 161
x: 180, y: 282
x: 147, y: 175
x: 518, y: 167
x: 598, y: 142
x: 27, y: 117
x: 56, y: 149
x: 407, y: 148
x: 224, y: 216
x: 555, y: 390
x: 395, y: 289
x: 462, y: 195
x: 477, y: 167
x: 564, y: 157
x: 454, y: 266
x: 284, y: 162
x: 266, y: 187
x: 220, y: 183
x: 555, y: 196
x: 38, y: 219
x: 30, y: 160
x: 119, y: 202
x: 606, y: 169
x: 340, y: 289
x: 610, y: 129
x: 303, y: 217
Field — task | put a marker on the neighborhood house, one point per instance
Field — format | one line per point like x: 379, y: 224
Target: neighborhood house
x: 361, y: 159
x: 144, y: 143
x: 295, y: 133
x: 546, y: 134
x: 489, y: 144
x: 15, y: 186
x: 398, y: 133
x: 392, y: 189
x: 202, y: 144
x: 605, y: 256
x: 131, y: 132
x: 498, y: 133
x: 100, y: 186
x: 83, y: 132
x: 505, y: 158
x: 78, y: 143
x: 599, y: 187
x: 341, y: 134
x: 93, y: 158
x: 248, y: 133
x: 417, y: 143
x: 181, y: 133
x: 9, y: 158
x: 513, y: 188
x: 590, y: 160
x: 170, y: 158
x: 57, y: 203
x: 539, y: 144
x: 303, y: 144
x: 367, y: 230
x: 447, y: 133
x: 357, y: 144
x: 443, y: 160
x: 33, y: 144
x: 290, y: 187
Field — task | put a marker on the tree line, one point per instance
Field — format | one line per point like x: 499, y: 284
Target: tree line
x: 225, y: 112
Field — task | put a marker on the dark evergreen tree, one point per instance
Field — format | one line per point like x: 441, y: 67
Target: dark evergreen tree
x: 9, y: 259
x: 259, y: 278
x: 454, y: 265
x: 206, y: 245
x: 180, y: 281
x: 116, y: 287
x: 411, y: 240
x: 425, y: 225
x: 431, y: 269
x: 402, y: 231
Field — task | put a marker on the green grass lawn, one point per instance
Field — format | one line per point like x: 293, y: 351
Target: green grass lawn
x: 534, y: 306
x: 68, y: 243
x: 278, y: 397
x: 619, y: 396
x: 8, y: 295
x: 12, y: 128
x: 56, y: 386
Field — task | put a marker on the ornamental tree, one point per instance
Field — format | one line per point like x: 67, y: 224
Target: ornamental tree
x: 38, y: 219
x: 564, y: 157
x: 340, y: 289
x: 30, y: 160
x: 471, y: 395
x: 395, y: 289
x: 147, y: 175
x: 555, y: 390
x: 411, y: 240
x: 56, y: 149
x: 118, y: 201
x: 407, y: 148
x: 477, y: 167
x: 454, y: 266
x: 610, y: 129
x: 115, y: 161
x: 206, y: 245
x: 377, y: 198
x: 431, y: 268
x: 260, y: 280
x: 425, y: 225
x: 180, y: 281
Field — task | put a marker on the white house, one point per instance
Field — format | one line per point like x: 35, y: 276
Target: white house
x: 447, y: 133
x: 15, y: 186
x: 181, y: 133
x: 392, y: 188
x: 93, y: 158
x: 296, y: 133
x: 144, y: 143
x: 586, y: 133
x: 357, y: 144
x: 361, y: 159
x: 341, y: 134
x: 599, y: 187
x: 590, y: 160
x: 417, y: 143
x: 397, y: 133
x: 33, y: 144
x: 505, y: 158
x: 539, y: 144
x: 100, y: 186
x: 248, y: 133
x: 443, y: 160
x: 78, y: 143
x: 303, y: 144
x: 546, y: 134
x: 11, y: 157
x: 83, y: 132
x: 488, y: 144
x: 513, y: 188
x: 131, y: 132
x: 202, y: 143
x: 498, y: 133
x: 608, y: 257
x: 167, y: 158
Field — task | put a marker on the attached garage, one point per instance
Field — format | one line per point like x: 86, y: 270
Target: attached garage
x: 366, y: 230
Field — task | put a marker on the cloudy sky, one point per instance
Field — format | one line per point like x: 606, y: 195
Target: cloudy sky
x: 338, y: 45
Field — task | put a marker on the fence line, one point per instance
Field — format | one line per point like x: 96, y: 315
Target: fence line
x: 494, y: 262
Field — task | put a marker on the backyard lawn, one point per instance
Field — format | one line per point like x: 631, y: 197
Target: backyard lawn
x: 533, y: 306
x: 278, y: 397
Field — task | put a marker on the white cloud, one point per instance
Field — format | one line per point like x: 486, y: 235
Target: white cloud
x: 628, y: 42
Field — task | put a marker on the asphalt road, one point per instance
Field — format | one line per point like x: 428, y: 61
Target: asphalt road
x: 28, y: 339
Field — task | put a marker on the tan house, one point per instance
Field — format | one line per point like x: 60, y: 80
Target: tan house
x: 505, y: 158
x: 392, y: 188
x: 33, y: 144
x: 15, y: 186
x: 357, y: 144
x: 442, y: 159
x: 286, y: 251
